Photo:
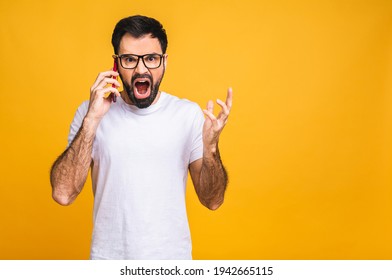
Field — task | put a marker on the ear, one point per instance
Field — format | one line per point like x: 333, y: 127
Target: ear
x: 165, y: 59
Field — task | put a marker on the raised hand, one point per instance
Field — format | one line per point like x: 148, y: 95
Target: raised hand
x: 99, y: 104
x: 214, y: 125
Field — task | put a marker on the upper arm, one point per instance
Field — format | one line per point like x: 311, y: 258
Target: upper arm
x: 77, y: 121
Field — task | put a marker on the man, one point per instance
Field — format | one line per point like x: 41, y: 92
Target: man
x: 140, y: 149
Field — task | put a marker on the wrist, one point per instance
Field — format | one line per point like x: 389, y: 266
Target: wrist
x: 210, y: 151
x: 89, y: 126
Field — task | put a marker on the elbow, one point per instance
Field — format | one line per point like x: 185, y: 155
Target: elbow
x: 62, y: 198
x: 212, y: 205
x: 211, y: 201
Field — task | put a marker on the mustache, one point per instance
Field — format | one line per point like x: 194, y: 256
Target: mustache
x: 143, y: 76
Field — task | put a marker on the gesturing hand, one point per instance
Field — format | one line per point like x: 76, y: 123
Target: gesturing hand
x: 213, y: 125
x: 99, y: 104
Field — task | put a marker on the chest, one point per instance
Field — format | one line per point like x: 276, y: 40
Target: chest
x: 152, y: 139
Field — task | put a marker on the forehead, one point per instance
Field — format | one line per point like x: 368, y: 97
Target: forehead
x: 143, y: 45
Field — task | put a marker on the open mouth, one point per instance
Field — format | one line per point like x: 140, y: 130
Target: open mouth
x: 142, y: 88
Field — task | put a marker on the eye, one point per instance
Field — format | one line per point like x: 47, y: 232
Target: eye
x: 152, y: 58
x: 129, y: 59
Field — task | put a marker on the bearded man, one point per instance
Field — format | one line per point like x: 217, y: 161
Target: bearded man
x: 140, y: 144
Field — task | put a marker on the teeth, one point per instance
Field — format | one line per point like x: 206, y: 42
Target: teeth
x: 142, y: 81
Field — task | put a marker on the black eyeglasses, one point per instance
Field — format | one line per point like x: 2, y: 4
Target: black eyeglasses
x: 130, y: 61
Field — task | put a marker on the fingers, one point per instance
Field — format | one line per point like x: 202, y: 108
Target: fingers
x: 210, y: 110
x: 103, y: 91
x: 226, y: 107
x: 229, y: 98
x: 210, y: 106
x: 105, y: 78
x: 99, y: 88
x: 107, y: 81
x: 211, y: 117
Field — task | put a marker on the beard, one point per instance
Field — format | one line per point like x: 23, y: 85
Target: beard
x: 142, y: 103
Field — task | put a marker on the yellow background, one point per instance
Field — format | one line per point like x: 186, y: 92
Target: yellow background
x: 307, y: 146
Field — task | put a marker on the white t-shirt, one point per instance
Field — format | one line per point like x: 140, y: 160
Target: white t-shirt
x: 140, y: 167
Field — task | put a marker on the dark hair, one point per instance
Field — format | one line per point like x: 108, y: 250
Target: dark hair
x: 138, y: 26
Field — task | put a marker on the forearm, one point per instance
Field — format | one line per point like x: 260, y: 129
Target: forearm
x: 213, y: 179
x: 70, y: 170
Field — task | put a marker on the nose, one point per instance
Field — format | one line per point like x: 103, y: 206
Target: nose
x: 141, y: 68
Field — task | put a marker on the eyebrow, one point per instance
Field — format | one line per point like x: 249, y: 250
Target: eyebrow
x: 140, y: 54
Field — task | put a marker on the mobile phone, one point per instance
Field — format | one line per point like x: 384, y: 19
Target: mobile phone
x: 114, y: 97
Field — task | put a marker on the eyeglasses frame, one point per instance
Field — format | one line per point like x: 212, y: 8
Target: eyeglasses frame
x: 119, y: 56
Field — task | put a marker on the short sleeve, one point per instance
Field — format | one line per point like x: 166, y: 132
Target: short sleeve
x: 197, y: 136
x: 77, y: 121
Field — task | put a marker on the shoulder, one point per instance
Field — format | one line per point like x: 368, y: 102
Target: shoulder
x: 81, y: 111
x: 83, y: 108
x: 180, y: 103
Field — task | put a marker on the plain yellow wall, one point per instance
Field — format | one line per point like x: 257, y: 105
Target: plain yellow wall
x: 307, y: 146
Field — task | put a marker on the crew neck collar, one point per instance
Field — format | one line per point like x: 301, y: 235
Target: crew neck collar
x: 152, y: 108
